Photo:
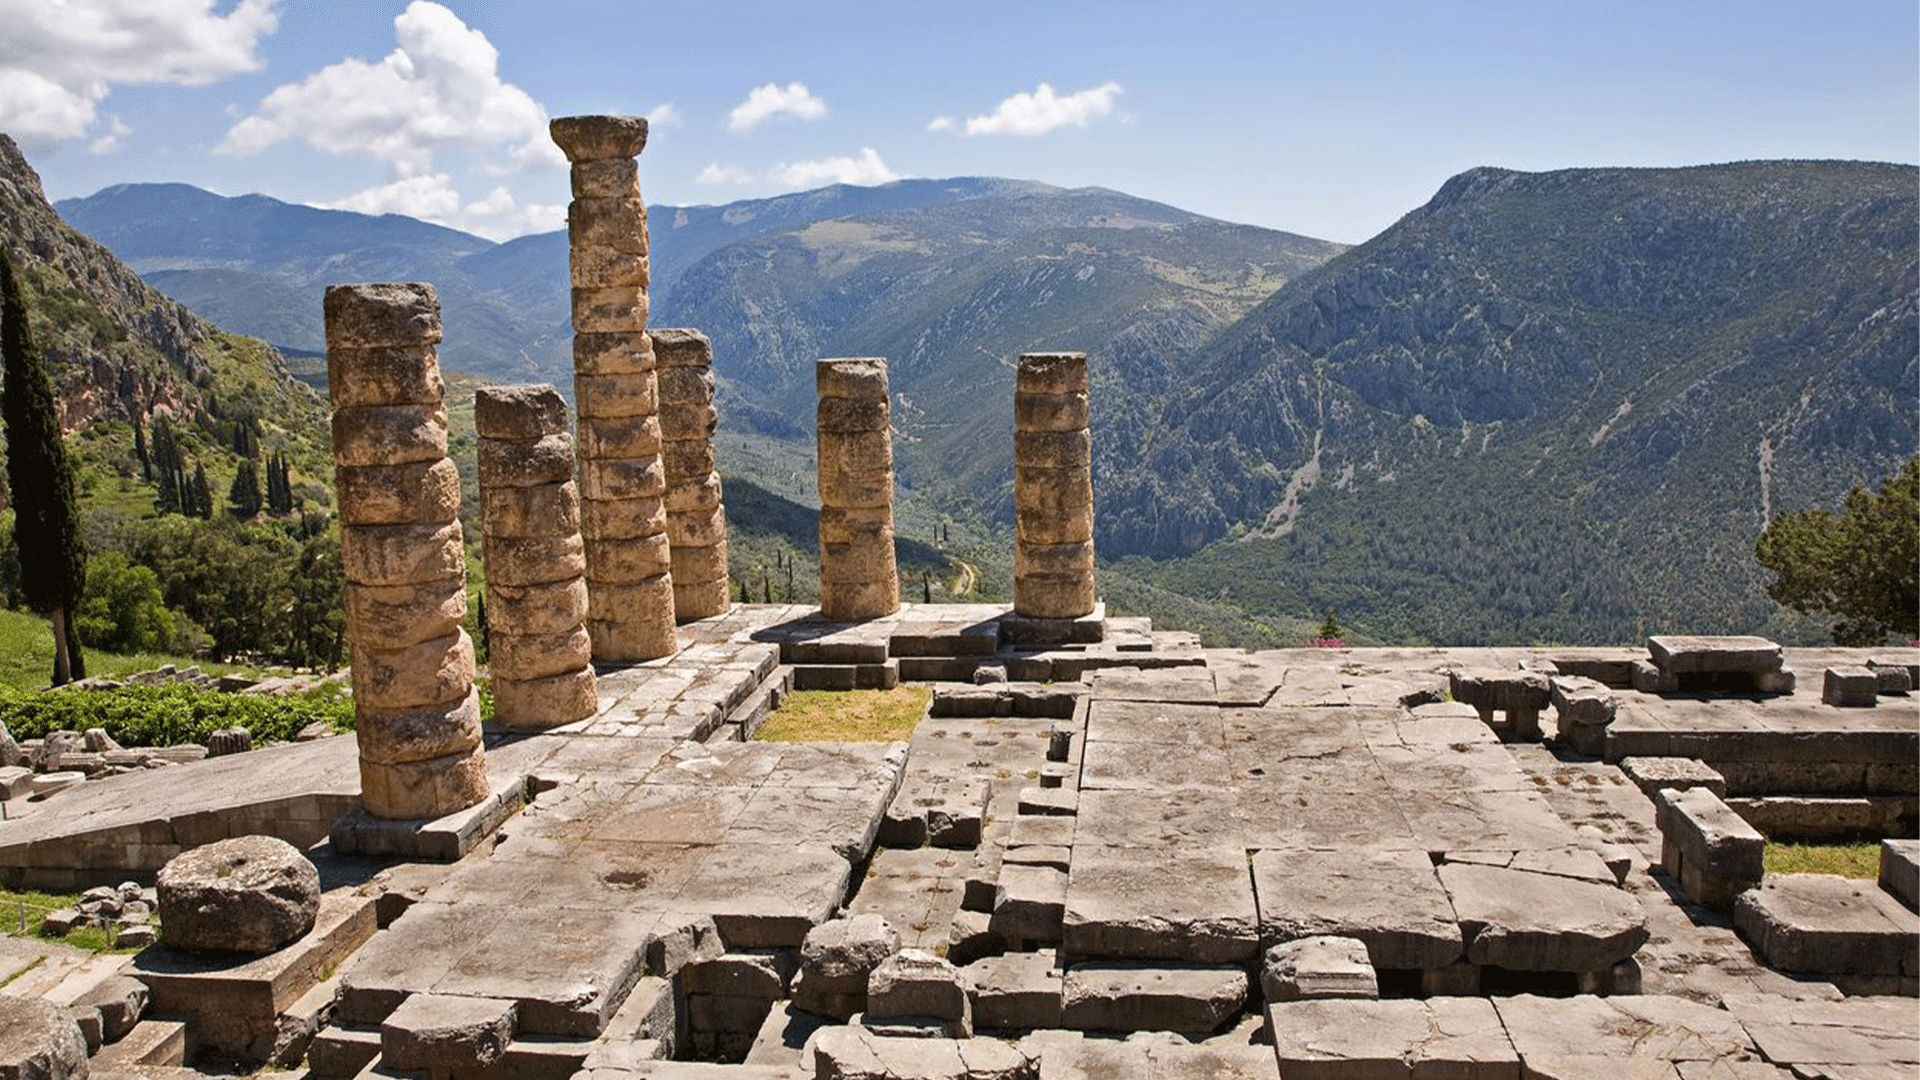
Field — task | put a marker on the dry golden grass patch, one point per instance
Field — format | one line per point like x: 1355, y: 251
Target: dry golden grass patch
x: 848, y: 716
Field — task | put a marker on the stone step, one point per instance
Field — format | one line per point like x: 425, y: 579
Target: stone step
x: 884, y: 675
x: 926, y: 639
x: 342, y: 1051
x: 746, y: 719
x: 151, y: 1043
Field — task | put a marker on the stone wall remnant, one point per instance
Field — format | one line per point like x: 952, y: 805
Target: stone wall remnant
x: 418, y: 718
x: 859, y: 578
x: 538, y: 647
x: 1053, y: 488
x: 622, y: 479
x: 696, y: 512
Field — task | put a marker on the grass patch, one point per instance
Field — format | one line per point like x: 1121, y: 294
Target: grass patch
x: 26, y: 656
x: 1856, y: 860
x: 848, y: 716
x: 36, y: 906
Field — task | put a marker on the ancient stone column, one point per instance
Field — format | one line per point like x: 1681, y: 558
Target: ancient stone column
x: 696, y: 516
x: 622, y: 482
x: 1052, y: 488
x: 538, y: 648
x: 858, y: 576
x: 418, y: 718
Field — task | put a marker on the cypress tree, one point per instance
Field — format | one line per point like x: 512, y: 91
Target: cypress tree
x: 244, y: 495
x: 166, y: 468
x: 53, y: 566
x: 202, y: 493
x: 140, y: 450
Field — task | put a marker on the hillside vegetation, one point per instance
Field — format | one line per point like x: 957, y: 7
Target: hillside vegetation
x: 1555, y: 406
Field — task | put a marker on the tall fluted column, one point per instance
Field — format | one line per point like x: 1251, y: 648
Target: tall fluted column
x: 537, y: 641
x: 696, y: 516
x: 858, y: 576
x: 1053, y: 488
x: 417, y: 716
x: 622, y: 481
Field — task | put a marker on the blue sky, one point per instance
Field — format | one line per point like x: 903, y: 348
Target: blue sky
x: 1320, y: 118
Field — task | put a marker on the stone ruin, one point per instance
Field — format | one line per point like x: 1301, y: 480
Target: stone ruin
x: 417, y: 715
x: 1106, y: 850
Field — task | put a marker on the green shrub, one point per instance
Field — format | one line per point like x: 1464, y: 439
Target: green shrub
x: 167, y: 715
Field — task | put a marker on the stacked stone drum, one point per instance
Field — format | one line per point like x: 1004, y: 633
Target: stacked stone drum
x: 622, y: 480
x: 537, y: 639
x: 696, y: 516
x: 858, y: 576
x: 1053, y: 488
x: 418, y: 718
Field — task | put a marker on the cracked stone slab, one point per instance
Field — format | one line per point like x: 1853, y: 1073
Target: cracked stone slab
x: 1881, y: 1031
x: 1523, y: 921
x: 1627, y: 1026
x: 853, y: 1053
x: 1390, y: 900
x: 767, y: 896
x: 1191, y: 903
x: 1391, y: 1040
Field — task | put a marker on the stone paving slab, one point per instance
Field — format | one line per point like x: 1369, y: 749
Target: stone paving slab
x: 1630, y: 1026
x: 1184, y: 685
x: 1810, y: 1035
x: 106, y: 830
x: 1142, y: 818
x: 1400, y: 1039
x: 1525, y: 921
x: 1189, y: 903
x: 1819, y: 924
x: 1390, y: 900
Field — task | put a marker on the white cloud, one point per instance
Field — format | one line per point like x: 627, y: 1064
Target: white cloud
x: 766, y: 102
x: 433, y: 197
x: 940, y: 123
x: 716, y: 174
x: 440, y: 88
x: 866, y: 170
x: 1043, y: 111
x: 663, y: 115
x: 59, y: 61
x: 109, y: 142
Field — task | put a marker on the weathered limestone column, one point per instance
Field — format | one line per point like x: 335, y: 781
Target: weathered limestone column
x: 537, y: 639
x: 696, y: 514
x: 622, y: 481
x: 858, y: 576
x: 418, y: 718
x: 1052, y: 488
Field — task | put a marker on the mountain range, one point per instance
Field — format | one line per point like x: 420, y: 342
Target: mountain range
x: 1541, y: 407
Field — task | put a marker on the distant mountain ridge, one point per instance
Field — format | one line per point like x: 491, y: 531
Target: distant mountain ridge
x: 258, y: 265
x: 1544, y: 405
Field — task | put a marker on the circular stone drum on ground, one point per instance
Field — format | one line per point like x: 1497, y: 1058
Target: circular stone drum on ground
x: 250, y: 894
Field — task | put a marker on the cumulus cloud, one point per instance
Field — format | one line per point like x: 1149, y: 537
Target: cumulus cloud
x: 433, y: 197
x: 940, y: 123
x: 1042, y: 111
x: 663, y: 115
x: 716, y: 174
x: 440, y: 88
x: 110, y: 141
x: 59, y: 61
x: 866, y: 170
x: 766, y: 102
